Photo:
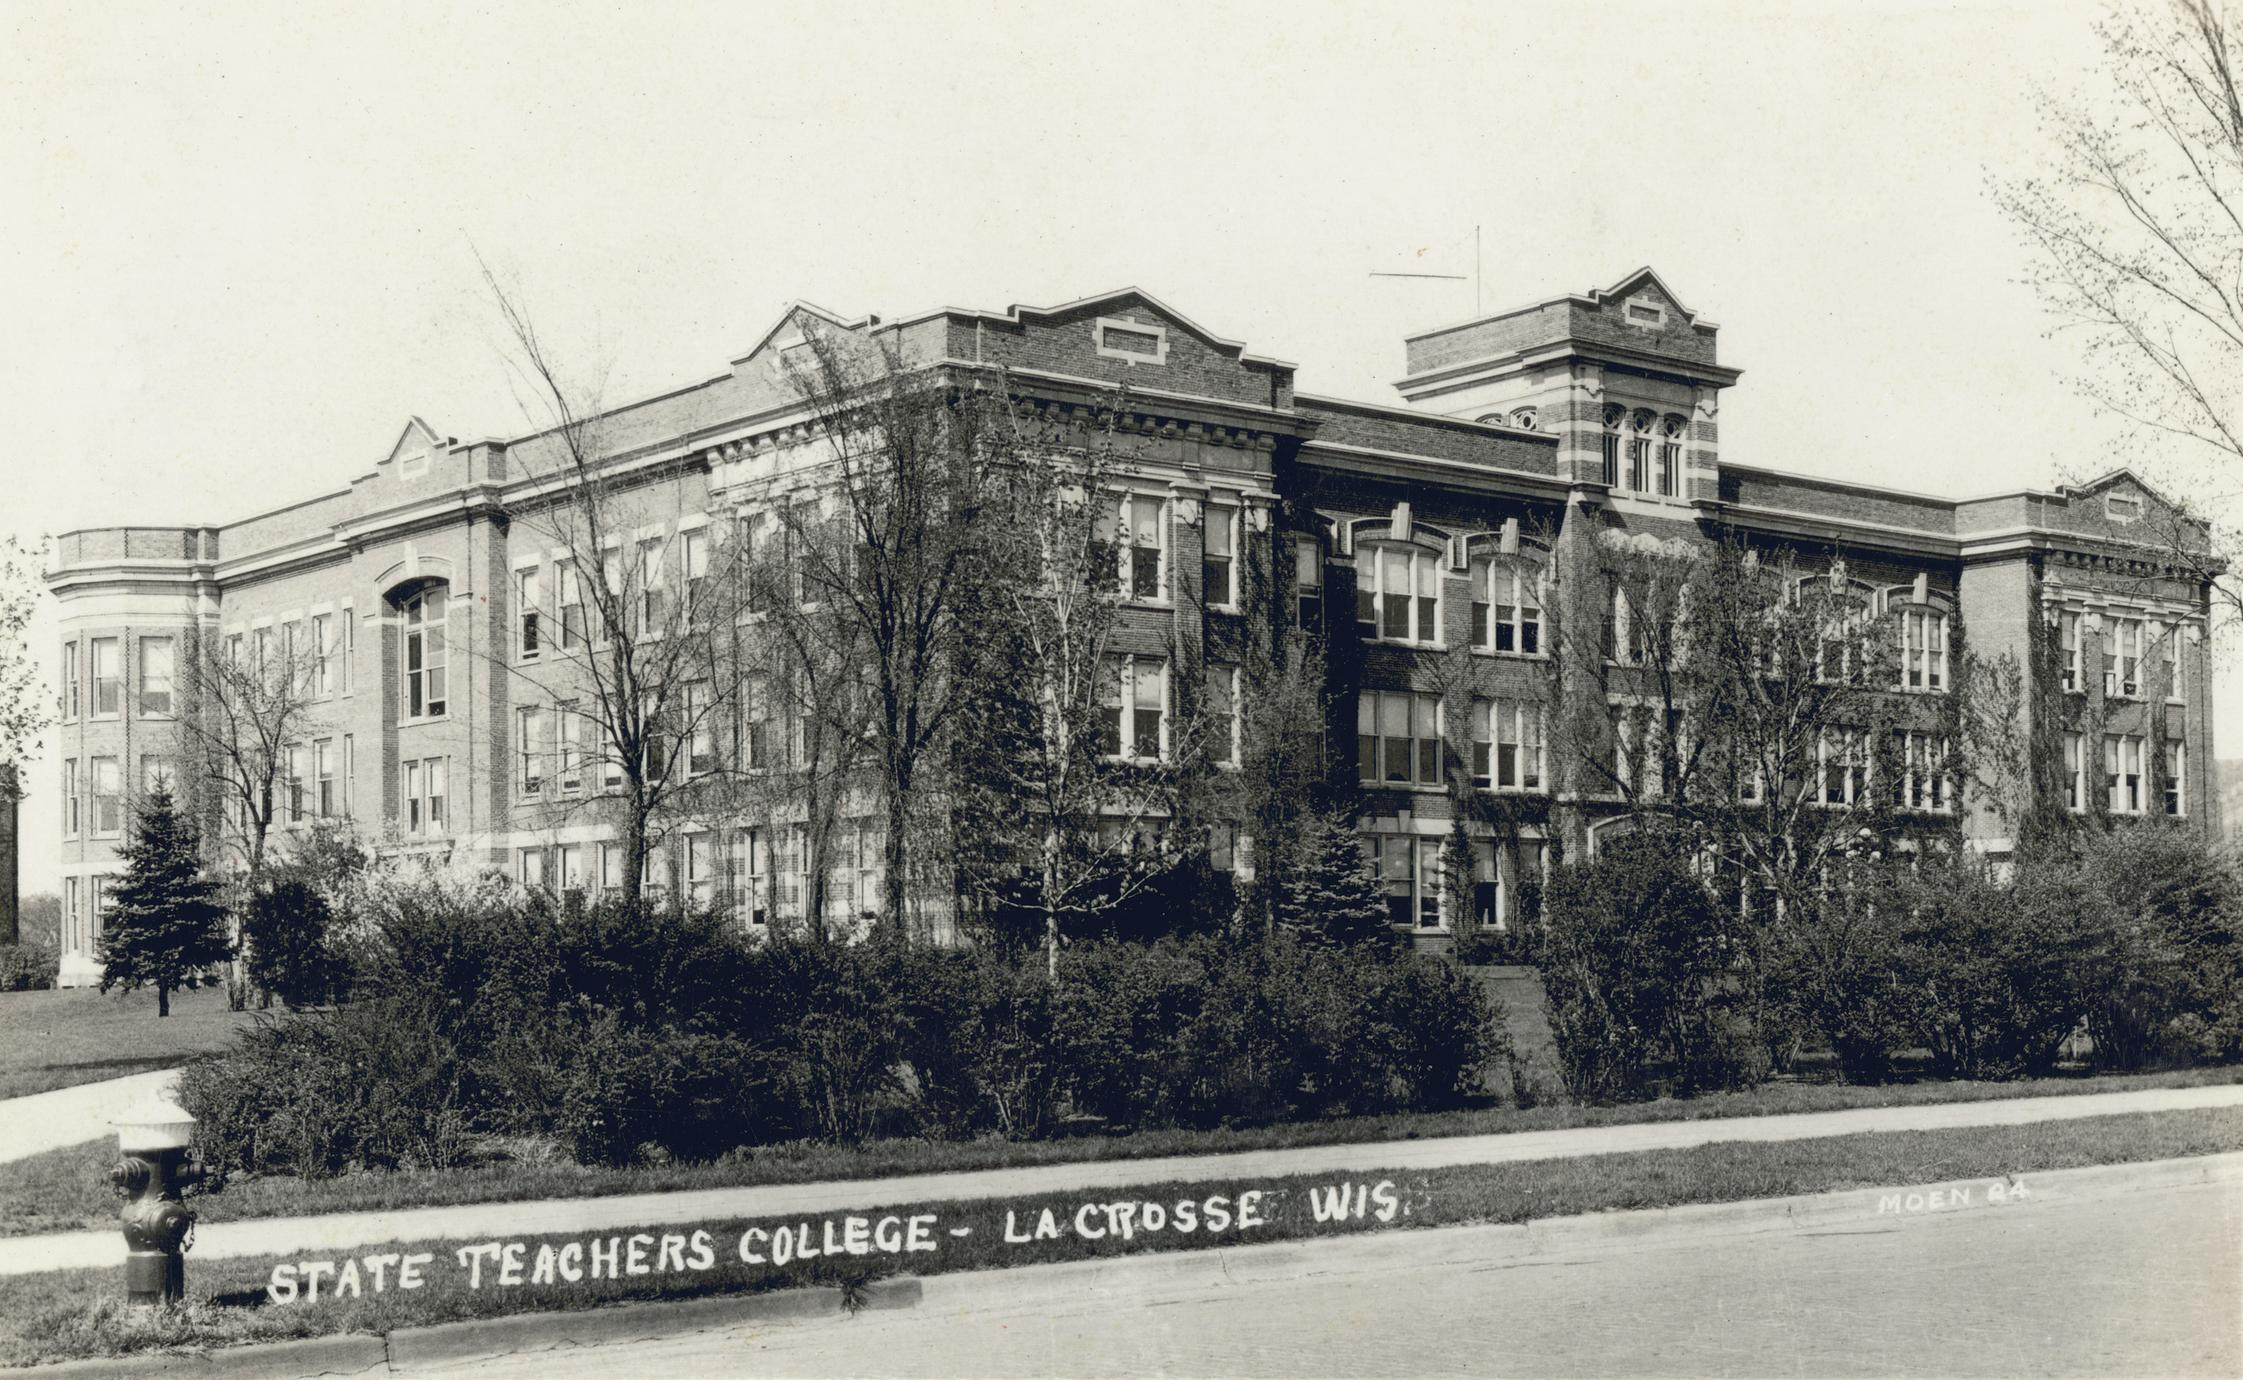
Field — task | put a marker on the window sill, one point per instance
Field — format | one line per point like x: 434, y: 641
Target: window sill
x: 1414, y: 786
x: 1511, y: 656
x: 424, y: 721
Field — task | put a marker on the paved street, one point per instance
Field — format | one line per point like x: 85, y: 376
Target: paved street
x: 2137, y: 1283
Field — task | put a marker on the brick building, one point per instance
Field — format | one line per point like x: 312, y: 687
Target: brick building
x: 1524, y: 442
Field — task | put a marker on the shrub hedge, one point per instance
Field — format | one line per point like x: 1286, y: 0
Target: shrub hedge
x: 622, y: 1033
x: 28, y: 967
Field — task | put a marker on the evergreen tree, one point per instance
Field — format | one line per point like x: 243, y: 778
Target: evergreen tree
x: 1328, y: 893
x: 164, y: 928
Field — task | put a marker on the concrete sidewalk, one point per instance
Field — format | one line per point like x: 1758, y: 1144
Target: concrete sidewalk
x: 46, y: 1121
x: 336, y: 1233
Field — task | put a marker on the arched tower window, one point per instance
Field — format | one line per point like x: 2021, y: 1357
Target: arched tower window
x: 1639, y: 451
x: 1670, y: 455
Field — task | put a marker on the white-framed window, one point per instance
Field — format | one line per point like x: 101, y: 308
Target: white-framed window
x: 2067, y: 624
x: 323, y: 654
x: 528, y: 625
x: 2122, y: 773
x: 2176, y: 688
x: 108, y: 797
x: 654, y: 593
x: 1507, y: 608
x: 1222, y: 714
x: 261, y: 649
x: 700, y: 868
x: 2075, y: 773
x: 323, y: 770
x: 568, y: 860
x: 1923, y: 781
x: 1842, y: 763
x: 529, y: 868
x: 1144, y: 547
x: 1923, y: 649
x: 1671, y: 430
x: 1398, y: 594
x: 611, y: 580
x: 570, y: 595
x: 425, y: 653
x: 755, y: 723
x: 158, y: 663
x: 2175, y: 770
x: 156, y: 774
x: 612, y: 867
x: 529, y: 731
x: 1398, y: 737
x: 350, y: 774
x: 1308, y: 586
x: 1134, y: 707
x: 1408, y: 869
x: 694, y: 552
x: 2122, y: 658
x: 72, y: 803
x: 69, y: 680
x: 569, y: 768
x: 74, y: 925
x: 1615, y: 420
x: 701, y: 729
x: 348, y: 641
x: 425, y: 783
x: 108, y: 687
x: 1507, y: 745
x: 299, y: 768
x: 1218, y: 563
x: 746, y: 861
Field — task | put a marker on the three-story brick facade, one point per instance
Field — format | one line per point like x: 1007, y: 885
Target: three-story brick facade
x: 1460, y: 527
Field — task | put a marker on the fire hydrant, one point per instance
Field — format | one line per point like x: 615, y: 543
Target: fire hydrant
x: 153, y: 1138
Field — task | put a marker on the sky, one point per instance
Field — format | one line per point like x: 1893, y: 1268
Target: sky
x: 240, y: 244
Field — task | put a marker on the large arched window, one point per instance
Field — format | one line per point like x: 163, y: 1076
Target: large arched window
x: 425, y: 654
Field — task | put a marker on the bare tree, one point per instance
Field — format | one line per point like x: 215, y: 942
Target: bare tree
x: 2137, y: 224
x: 883, y: 557
x: 633, y: 644
x: 24, y: 709
x: 251, y: 707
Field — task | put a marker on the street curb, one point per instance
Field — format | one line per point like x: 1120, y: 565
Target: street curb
x: 1130, y: 1278
x: 355, y: 1354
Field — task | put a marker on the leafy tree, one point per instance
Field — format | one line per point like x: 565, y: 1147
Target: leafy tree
x: 1637, y: 965
x: 164, y: 928
x: 1327, y: 891
x: 293, y: 954
x: 2163, y: 973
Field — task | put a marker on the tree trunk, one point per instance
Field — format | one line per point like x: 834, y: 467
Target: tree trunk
x: 894, y: 872
x: 1051, y: 907
x: 163, y: 1000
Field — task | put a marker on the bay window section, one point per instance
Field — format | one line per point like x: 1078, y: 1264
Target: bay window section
x: 107, y: 691
x: 157, y: 663
x: 1507, y: 745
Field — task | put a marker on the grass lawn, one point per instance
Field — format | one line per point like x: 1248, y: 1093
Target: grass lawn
x: 78, y: 1313
x: 66, y: 1189
x: 59, y: 1039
